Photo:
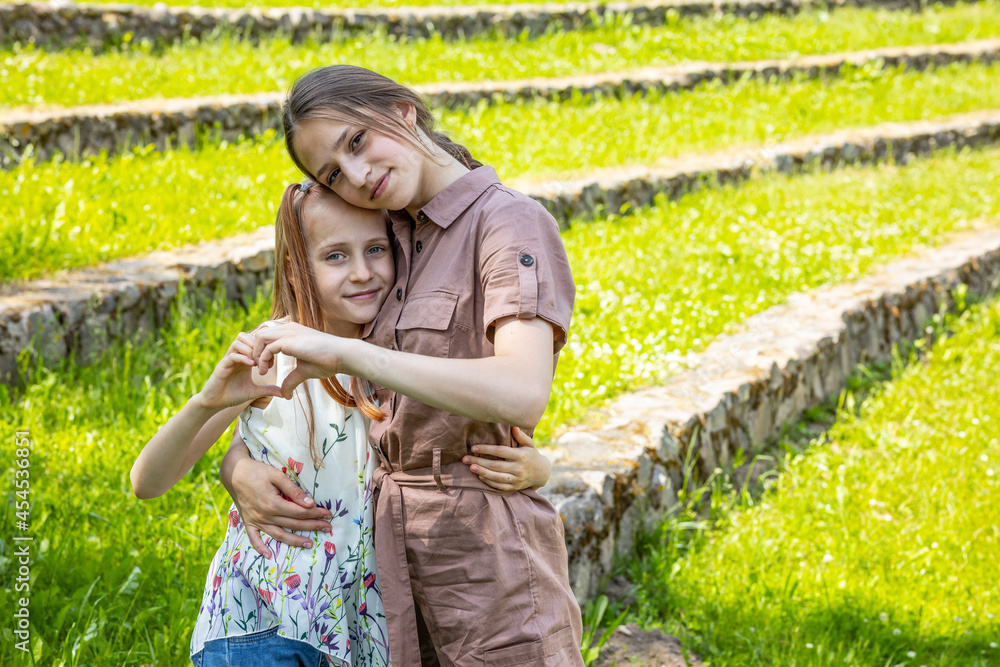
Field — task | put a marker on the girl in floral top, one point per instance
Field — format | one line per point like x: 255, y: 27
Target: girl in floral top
x: 321, y: 603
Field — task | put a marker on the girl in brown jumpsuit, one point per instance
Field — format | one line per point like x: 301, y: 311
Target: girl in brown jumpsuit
x: 465, y: 343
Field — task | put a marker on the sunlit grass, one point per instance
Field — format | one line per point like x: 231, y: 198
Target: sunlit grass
x: 878, y: 546
x: 226, y: 64
x: 61, y: 215
x: 662, y: 282
x: 90, y: 532
x: 656, y: 286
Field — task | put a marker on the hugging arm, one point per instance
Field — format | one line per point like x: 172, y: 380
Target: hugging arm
x: 268, y: 501
x: 257, y: 488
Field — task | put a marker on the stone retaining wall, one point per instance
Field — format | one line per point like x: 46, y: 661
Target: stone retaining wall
x: 63, y: 23
x: 88, y: 130
x: 610, y: 479
x: 79, y: 312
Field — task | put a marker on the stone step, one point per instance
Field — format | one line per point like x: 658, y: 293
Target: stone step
x: 59, y: 23
x: 79, y: 312
x: 609, y: 480
x: 88, y: 130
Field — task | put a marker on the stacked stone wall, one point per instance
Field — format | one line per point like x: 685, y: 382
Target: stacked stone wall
x: 69, y: 23
x: 613, y: 480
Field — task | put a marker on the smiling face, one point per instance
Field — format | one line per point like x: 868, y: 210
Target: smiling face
x: 351, y: 260
x: 367, y: 168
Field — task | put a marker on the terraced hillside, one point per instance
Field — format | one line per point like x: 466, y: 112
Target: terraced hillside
x: 733, y: 189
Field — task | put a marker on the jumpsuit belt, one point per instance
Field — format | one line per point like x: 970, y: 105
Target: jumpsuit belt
x: 390, y: 546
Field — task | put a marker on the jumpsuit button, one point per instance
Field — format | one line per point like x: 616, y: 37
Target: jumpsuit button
x: 420, y: 246
x: 421, y: 216
x: 399, y: 294
x: 527, y: 260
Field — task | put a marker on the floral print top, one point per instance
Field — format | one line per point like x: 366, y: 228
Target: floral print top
x: 327, y: 596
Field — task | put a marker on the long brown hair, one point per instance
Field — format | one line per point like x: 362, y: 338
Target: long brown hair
x: 295, y: 296
x: 351, y: 94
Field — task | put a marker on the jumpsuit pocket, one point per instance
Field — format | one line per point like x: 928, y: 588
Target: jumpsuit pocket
x: 555, y: 649
x: 424, y: 326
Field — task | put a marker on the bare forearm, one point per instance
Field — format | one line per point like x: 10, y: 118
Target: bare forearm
x: 237, y: 452
x: 177, y: 446
x: 511, y: 387
x: 499, y: 389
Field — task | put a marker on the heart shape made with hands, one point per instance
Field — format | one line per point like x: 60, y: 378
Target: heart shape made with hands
x: 316, y: 354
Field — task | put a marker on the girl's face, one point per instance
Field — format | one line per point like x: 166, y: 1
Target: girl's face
x: 351, y: 259
x: 367, y: 169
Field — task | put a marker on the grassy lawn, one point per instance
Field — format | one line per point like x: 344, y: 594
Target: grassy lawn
x: 72, y: 214
x: 876, y: 546
x: 710, y: 260
x: 116, y: 581
x: 231, y: 65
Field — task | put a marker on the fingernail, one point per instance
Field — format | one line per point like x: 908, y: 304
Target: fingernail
x: 475, y: 449
x: 466, y: 459
x: 308, y: 544
x: 308, y: 500
x: 475, y: 468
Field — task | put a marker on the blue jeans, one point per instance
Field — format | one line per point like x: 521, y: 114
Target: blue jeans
x: 259, y: 648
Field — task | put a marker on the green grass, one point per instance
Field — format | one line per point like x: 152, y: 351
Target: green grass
x: 712, y: 259
x: 73, y: 214
x: 708, y: 262
x: 231, y: 65
x: 877, y: 546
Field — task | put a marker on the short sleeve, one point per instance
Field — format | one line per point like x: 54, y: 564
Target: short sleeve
x: 524, y: 268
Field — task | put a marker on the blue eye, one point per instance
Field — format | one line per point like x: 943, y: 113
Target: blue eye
x: 376, y: 250
x: 334, y: 256
x: 356, y: 140
x: 334, y: 173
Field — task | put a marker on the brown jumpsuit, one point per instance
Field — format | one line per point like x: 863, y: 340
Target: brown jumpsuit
x: 485, y: 571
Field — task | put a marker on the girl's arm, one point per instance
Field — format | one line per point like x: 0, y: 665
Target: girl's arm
x: 511, y: 387
x: 178, y: 445
x: 257, y: 488
x: 268, y: 501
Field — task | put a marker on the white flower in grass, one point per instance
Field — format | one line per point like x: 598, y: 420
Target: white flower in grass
x: 993, y: 644
x: 884, y: 617
x: 911, y: 654
x: 809, y: 645
x: 896, y: 632
x: 958, y: 619
x: 827, y: 558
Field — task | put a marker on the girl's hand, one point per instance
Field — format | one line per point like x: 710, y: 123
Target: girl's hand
x: 231, y: 383
x: 270, y: 502
x: 317, y: 353
x: 523, y: 467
